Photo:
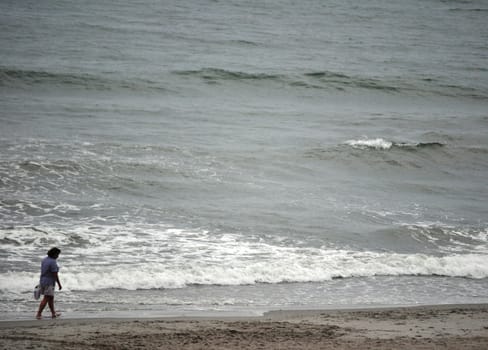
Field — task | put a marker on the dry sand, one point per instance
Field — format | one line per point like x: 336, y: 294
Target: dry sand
x: 425, y: 327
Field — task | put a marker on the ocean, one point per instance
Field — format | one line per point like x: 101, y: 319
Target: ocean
x: 232, y: 157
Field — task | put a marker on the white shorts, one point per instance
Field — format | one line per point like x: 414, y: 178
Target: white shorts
x: 47, y: 291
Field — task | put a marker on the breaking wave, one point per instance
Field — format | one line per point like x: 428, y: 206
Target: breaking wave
x: 175, y: 258
x: 382, y: 144
x: 286, y: 266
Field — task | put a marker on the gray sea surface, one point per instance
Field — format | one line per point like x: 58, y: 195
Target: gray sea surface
x: 242, y: 156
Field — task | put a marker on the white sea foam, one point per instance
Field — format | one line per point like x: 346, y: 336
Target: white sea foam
x: 377, y: 143
x: 280, y: 265
x: 142, y: 256
x: 450, y: 238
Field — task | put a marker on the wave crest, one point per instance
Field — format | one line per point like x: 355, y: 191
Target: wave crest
x: 30, y: 78
x: 176, y: 258
x: 216, y: 74
x: 382, y: 144
x: 333, y: 81
x: 377, y: 143
x: 296, y: 267
x: 315, y: 80
x: 319, y: 80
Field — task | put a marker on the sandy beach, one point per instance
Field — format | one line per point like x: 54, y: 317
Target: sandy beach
x: 423, y: 327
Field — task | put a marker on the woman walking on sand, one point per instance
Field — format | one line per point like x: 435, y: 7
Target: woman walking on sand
x: 49, y: 277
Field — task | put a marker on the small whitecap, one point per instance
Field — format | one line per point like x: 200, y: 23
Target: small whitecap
x: 377, y: 143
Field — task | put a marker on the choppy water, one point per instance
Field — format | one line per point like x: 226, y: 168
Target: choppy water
x: 244, y: 156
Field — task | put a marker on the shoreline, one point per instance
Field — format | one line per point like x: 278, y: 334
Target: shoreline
x: 252, y: 314
x: 410, y: 327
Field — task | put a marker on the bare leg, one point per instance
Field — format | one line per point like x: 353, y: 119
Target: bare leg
x: 50, y: 302
x: 42, y: 305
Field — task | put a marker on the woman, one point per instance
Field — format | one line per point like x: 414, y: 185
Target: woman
x: 49, y: 278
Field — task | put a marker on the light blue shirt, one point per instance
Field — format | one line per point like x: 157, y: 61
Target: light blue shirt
x: 48, y: 267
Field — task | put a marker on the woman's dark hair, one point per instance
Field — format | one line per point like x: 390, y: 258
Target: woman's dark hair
x: 54, y: 252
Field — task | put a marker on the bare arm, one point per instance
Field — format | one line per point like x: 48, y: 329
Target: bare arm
x: 57, y: 280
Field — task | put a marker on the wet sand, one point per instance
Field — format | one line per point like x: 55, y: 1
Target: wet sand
x: 424, y: 327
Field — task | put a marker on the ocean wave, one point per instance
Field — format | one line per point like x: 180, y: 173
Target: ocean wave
x: 460, y: 9
x: 371, y: 151
x: 333, y: 81
x: 59, y: 166
x: 291, y: 266
x: 315, y: 80
x: 33, y: 77
x: 413, y: 155
x: 34, y: 176
x: 382, y: 144
x: 29, y: 78
x: 216, y: 74
x: 449, y: 238
x: 175, y: 258
x: 378, y: 143
x: 343, y: 81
